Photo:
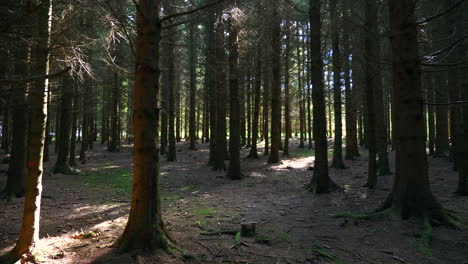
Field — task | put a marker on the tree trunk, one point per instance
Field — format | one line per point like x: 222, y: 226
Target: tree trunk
x: 193, y: 85
x: 76, y: 106
x: 210, y: 83
x: 17, y: 170
x: 145, y: 228
x: 276, y: 84
x: 29, y: 233
x: 337, y: 161
x: 320, y: 182
x: 66, y: 103
x: 372, y: 83
x: 114, y: 117
x: 171, y: 86
x: 287, y: 107
x: 234, y: 170
x: 411, y: 194
x: 257, y: 97
x: 221, y: 144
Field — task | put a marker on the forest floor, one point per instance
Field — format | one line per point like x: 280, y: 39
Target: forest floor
x: 82, y: 215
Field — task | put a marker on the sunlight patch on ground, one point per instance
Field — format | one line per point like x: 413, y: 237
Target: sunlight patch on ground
x: 298, y: 164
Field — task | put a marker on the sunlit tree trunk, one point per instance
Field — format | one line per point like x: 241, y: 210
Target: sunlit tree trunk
x: 29, y: 233
x: 145, y: 228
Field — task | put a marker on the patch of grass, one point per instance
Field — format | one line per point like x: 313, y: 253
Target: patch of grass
x: 169, y: 197
x: 202, y: 212
x: 118, y: 180
x: 273, y: 235
x: 302, y: 152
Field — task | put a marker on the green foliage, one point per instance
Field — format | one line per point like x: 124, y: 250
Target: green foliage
x: 319, y: 251
x: 202, y: 212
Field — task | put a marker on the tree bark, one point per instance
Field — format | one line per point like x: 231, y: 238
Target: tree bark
x: 411, y: 195
x: 193, y: 85
x: 62, y: 164
x: 234, y: 170
x: 145, y: 228
x: 320, y: 182
x: 276, y: 84
x: 337, y: 161
x: 372, y: 83
x: 29, y: 233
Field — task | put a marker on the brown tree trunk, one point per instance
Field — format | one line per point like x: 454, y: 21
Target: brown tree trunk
x: 17, y: 170
x: 234, y: 170
x: 75, y: 110
x: 221, y: 144
x: 29, y: 233
x: 210, y: 83
x: 320, y: 182
x: 114, y: 141
x: 145, y: 228
x: 171, y: 87
x: 62, y: 164
x: 193, y: 85
x: 287, y: 106
x: 257, y: 94
x: 411, y: 194
x: 276, y: 84
x: 337, y: 161
x: 372, y: 83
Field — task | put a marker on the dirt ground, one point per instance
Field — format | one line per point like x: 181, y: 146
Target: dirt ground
x: 83, y: 214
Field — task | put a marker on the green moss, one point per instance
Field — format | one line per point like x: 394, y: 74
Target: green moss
x: 202, y: 212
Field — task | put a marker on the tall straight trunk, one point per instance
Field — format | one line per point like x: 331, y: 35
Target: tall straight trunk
x: 221, y: 143
x: 320, y: 182
x: 257, y: 94
x: 276, y: 84
x: 287, y: 106
x: 29, y: 233
x: 5, y: 140
x: 48, y: 136
x: 411, y: 194
x: 242, y: 99
x: 462, y: 187
x: 17, y: 170
x: 249, y: 105
x: 372, y: 83
x: 441, y: 95
x: 266, y: 93
x: 430, y: 114
x: 92, y: 118
x: 337, y: 161
x: 87, y: 113
x: 210, y: 83
x: 309, y: 96
x: 193, y: 85
x: 114, y: 142
x: 104, y: 113
x: 300, y: 92
x: 351, y: 101
x: 164, y: 99
x: 171, y: 86
x: 75, y: 110
x: 62, y: 164
x: 145, y: 227
x: 234, y: 170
